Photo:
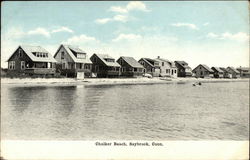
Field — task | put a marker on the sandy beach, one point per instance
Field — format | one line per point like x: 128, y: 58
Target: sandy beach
x: 99, y: 81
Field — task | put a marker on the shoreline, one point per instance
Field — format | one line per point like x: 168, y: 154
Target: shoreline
x: 110, y: 81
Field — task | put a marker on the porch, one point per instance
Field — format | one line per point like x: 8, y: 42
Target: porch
x: 41, y: 71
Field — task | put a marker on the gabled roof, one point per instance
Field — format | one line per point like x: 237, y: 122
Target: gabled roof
x: 233, y: 69
x: 217, y: 69
x: 183, y: 64
x: 69, y: 49
x: 132, y: 62
x: 29, y: 50
x: 147, y: 60
x: 207, y: 68
x: 223, y: 69
x: 106, y: 56
x: 165, y: 60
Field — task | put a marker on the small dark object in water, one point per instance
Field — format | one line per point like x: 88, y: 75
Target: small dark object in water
x: 199, y: 83
x: 194, y: 84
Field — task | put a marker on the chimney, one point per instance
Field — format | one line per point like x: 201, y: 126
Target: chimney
x: 158, y: 57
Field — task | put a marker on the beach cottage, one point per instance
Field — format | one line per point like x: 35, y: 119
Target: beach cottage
x: 130, y: 67
x: 203, y: 71
x: 235, y: 73
x: 226, y: 73
x: 31, y: 60
x: 167, y: 68
x: 244, y: 72
x: 151, y: 66
x: 72, y: 62
x: 218, y: 73
x: 183, y: 70
x: 105, y: 66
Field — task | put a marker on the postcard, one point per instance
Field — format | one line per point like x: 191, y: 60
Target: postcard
x: 125, y: 80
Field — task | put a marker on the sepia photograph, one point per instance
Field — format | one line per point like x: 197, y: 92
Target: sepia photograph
x: 138, y: 78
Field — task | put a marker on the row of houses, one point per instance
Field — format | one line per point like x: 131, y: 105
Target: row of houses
x: 71, y: 61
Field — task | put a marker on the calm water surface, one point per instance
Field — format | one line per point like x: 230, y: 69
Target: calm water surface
x: 176, y: 111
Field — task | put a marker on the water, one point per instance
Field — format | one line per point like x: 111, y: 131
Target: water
x: 175, y: 111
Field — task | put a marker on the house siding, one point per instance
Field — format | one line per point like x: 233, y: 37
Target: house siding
x: 155, y: 72
x: 183, y: 72
x: 201, y: 72
x: 233, y: 73
x: 102, y: 70
x: 30, y: 67
x: 166, y: 69
x: 128, y: 71
x: 68, y: 67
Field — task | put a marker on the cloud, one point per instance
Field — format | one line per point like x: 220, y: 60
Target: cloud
x: 134, y: 5
x: 122, y: 36
x: 17, y: 33
x: 103, y: 20
x: 119, y: 18
x: 80, y: 39
x: 212, y: 35
x: 189, y: 25
x: 205, y: 24
x: 118, y: 9
x: 39, y: 31
x: 137, y: 5
x: 62, y: 29
x: 240, y: 36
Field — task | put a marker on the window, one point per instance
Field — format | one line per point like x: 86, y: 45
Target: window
x: 81, y: 55
x: 142, y: 62
x: 123, y: 69
x: 110, y: 60
x: 175, y: 71
x: 86, y: 66
x: 121, y: 62
x: 20, y: 52
x: 22, y: 64
x: 117, y: 69
x: 94, y: 60
x: 96, y: 68
x: 12, y: 65
x: 156, y: 63
x: 62, y: 55
x: 63, y: 66
x: 135, y: 69
x: 162, y: 63
x: 70, y: 65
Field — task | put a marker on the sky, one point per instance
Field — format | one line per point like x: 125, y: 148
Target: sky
x: 205, y: 32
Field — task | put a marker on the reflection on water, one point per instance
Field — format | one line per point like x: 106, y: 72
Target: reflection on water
x: 150, y: 112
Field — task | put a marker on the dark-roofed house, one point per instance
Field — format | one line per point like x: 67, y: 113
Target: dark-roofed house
x: 105, y: 66
x: 31, y: 60
x: 130, y: 67
x: 167, y: 68
x: 226, y: 74
x: 183, y: 69
x: 72, y: 61
x: 235, y: 73
x: 244, y: 72
x: 151, y: 66
x: 203, y: 71
x: 218, y: 73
